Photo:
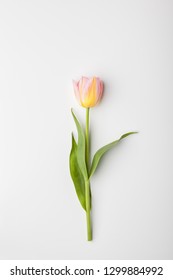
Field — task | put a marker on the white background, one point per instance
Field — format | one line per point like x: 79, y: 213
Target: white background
x: 43, y: 46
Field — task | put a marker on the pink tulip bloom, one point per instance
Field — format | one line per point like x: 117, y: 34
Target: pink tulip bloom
x: 88, y: 91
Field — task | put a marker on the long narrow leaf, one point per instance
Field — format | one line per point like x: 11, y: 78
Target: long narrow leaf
x: 81, y: 148
x: 98, y: 155
x: 76, y: 174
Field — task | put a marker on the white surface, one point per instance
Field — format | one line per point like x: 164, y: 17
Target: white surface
x: 43, y: 46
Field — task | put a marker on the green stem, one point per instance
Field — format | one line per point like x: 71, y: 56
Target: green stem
x: 88, y: 207
x: 87, y: 183
x: 87, y: 139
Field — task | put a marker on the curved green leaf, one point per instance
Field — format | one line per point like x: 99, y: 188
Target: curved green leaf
x: 81, y: 148
x: 76, y: 174
x: 98, y: 155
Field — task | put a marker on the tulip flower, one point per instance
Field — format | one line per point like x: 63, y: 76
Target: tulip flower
x: 88, y: 92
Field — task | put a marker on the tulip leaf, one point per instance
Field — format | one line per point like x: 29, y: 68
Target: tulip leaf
x: 98, y: 155
x: 81, y: 148
x: 76, y: 174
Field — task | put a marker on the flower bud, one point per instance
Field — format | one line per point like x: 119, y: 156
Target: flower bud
x: 88, y: 91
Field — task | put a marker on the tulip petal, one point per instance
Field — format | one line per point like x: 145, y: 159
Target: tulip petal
x: 100, y: 91
x: 89, y: 96
x: 82, y: 82
x: 85, y: 95
x: 101, y: 87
